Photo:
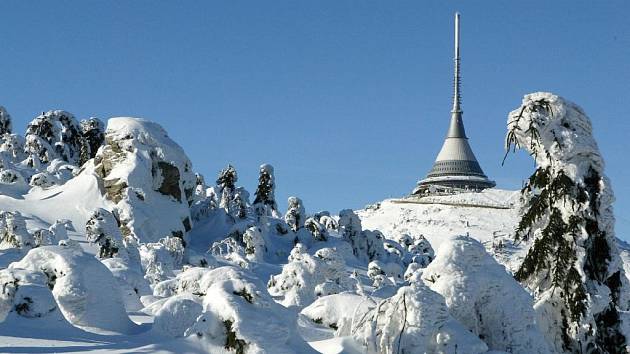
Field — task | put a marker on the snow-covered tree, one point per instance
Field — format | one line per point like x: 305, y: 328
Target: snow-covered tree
x: 306, y: 277
x: 102, y: 229
x: 13, y: 232
x: 93, y: 136
x: 572, y: 266
x: 485, y: 298
x: 54, y: 134
x: 265, y: 200
x: 226, y: 181
x: 254, y: 244
x: 351, y: 231
x: 5, y: 121
x: 295, y: 215
x: 319, y: 231
x: 414, y: 320
x: 160, y: 259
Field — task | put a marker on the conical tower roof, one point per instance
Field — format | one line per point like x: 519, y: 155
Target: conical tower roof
x: 456, y: 165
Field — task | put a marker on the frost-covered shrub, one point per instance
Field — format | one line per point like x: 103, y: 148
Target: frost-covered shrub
x: 42, y: 180
x: 11, y: 176
x: 13, y: 232
x: 295, y: 215
x: 482, y: 296
x: 83, y: 288
x: 161, y: 258
x: 306, y: 277
x: 26, y: 294
x: 54, y: 134
x: 12, y: 146
x: 265, y: 200
x: 242, y: 305
x: 57, y: 232
x: 384, y: 274
x: 102, y: 229
x: 414, y: 320
x: 131, y: 282
x: 148, y: 177
x: 572, y: 265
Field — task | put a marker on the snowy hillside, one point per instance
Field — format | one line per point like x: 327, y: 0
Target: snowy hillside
x: 111, y: 243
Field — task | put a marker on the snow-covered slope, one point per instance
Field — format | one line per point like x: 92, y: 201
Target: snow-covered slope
x: 489, y: 216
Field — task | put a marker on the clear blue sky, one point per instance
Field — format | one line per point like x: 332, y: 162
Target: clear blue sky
x: 349, y: 100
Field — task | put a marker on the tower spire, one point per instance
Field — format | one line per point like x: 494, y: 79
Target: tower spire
x: 456, y: 167
x: 456, y: 84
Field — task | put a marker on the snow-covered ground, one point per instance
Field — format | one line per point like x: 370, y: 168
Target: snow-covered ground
x: 133, y: 252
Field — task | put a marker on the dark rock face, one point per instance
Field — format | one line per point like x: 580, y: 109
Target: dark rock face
x: 170, y: 180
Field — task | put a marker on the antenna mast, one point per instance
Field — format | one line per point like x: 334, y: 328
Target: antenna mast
x: 457, y: 83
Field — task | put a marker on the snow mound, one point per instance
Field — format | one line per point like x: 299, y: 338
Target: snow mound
x: 83, y: 287
x: 482, y: 296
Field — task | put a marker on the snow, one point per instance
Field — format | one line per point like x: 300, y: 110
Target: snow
x: 198, y: 268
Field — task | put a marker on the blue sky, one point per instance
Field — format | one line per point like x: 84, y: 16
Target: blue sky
x: 349, y: 100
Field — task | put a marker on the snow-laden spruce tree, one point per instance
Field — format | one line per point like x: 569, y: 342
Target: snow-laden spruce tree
x: 102, y: 229
x: 295, y: 215
x: 226, y: 181
x: 5, y: 121
x: 265, y: 201
x: 572, y: 266
x: 93, y: 136
x: 13, y: 232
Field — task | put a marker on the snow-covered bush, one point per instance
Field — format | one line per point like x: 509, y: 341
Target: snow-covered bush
x: 83, y: 287
x: 148, y: 177
x: 486, y: 299
x: 306, y: 277
x: 93, y: 134
x: 265, y: 200
x: 319, y: 231
x: 366, y: 245
x: 102, y: 229
x: 254, y: 244
x: 414, y: 320
x: 13, y: 232
x: 295, y: 215
x: 12, y: 146
x: 5, y: 121
x: 159, y: 259
x: 54, y: 134
x: 572, y: 265
x: 42, y: 180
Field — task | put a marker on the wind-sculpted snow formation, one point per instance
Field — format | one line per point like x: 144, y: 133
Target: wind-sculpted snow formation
x: 102, y: 227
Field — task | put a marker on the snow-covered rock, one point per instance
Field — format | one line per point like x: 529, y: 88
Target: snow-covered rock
x: 148, y: 177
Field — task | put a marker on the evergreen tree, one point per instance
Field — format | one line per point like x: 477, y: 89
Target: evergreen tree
x: 93, y: 136
x: 5, y: 121
x: 227, y: 188
x: 572, y: 266
x: 265, y: 201
x: 296, y: 215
